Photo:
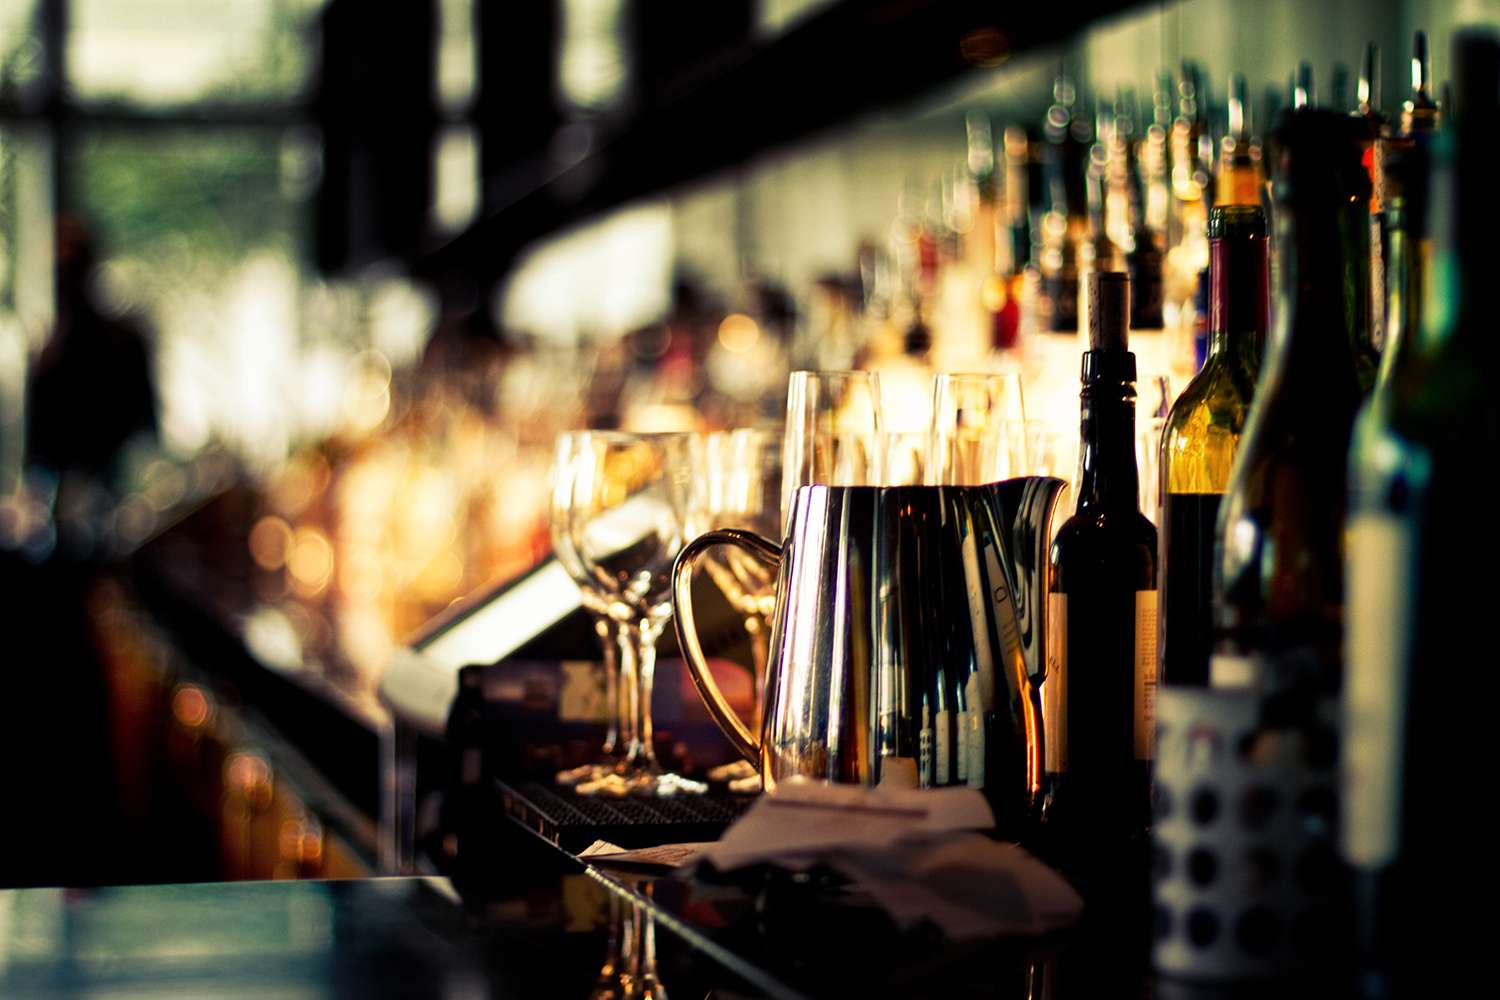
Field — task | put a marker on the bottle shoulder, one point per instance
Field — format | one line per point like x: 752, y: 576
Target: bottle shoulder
x: 1095, y: 533
x: 1219, y: 392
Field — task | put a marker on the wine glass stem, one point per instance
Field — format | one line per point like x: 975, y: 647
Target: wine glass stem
x: 644, y: 636
x: 626, y: 692
x: 609, y: 643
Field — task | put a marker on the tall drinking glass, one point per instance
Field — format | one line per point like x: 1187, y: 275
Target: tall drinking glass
x: 833, y: 432
x: 627, y: 514
x: 978, y: 429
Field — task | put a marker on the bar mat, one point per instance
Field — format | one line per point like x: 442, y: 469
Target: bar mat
x: 573, y: 822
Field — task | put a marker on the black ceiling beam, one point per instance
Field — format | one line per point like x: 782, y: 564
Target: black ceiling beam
x: 848, y: 60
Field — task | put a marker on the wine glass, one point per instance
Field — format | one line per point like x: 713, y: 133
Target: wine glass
x: 627, y: 514
x: 833, y: 432
x: 616, y: 656
x: 978, y: 429
x: 741, y: 488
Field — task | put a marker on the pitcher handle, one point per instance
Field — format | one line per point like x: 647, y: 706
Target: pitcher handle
x: 768, y: 552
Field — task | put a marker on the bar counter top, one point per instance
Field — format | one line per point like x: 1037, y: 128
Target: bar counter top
x: 371, y: 938
x: 552, y: 926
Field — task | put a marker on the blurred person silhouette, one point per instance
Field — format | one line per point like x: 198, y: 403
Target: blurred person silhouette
x: 91, y: 390
x: 89, y: 396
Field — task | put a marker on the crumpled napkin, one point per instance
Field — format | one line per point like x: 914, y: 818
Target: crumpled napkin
x: 916, y: 852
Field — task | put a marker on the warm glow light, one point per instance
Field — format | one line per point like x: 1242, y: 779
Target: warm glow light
x: 190, y: 706
x: 361, y: 576
x: 994, y: 294
x: 298, y: 484
x: 367, y: 398
x: 270, y: 542
x: 738, y: 333
x: 249, y: 775
x: 311, y: 560
x: 442, y: 577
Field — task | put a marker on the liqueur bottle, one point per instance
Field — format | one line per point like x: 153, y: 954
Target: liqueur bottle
x: 1100, y: 687
x: 1419, y: 112
x: 1358, y: 305
x: 1066, y: 226
x: 1278, y: 568
x: 1375, y: 130
x: 1201, y: 435
x: 1240, y: 180
x: 1004, y: 289
x: 1421, y: 551
x: 1145, y: 260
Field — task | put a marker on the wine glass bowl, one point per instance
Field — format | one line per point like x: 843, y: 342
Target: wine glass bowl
x: 741, y: 488
x: 978, y: 429
x: 833, y: 432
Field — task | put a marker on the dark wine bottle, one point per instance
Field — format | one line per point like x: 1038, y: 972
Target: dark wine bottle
x: 1358, y: 304
x: 1278, y: 568
x: 1202, y: 434
x: 1100, y: 687
x: 1420, y: 647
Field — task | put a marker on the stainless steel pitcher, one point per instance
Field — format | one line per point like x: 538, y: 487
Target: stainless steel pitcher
x: 906, y: 644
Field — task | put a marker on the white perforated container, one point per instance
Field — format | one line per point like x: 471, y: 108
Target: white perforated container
x: 1244, y: 843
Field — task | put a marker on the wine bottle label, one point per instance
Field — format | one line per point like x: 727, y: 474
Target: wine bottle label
x: 976, y: 750
x: 961, y: 754
x: 1006, y: 625
x: 1145, y: 673
x: 1378, y: 570
x: 1377, y: 281
x: 1055, y: 687
x: 924, y: 763
x: 975, y: 742
x: 981, y: 584
x: 943, y: 764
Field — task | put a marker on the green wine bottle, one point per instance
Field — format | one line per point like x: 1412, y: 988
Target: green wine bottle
x: 1422, y: 551
x: 1202, y: 434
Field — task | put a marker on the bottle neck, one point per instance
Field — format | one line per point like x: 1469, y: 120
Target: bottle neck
x: 1108, y: 478
x: 1407, y: 267
x: 1239, y: 298
x: 1355, y: 226
x: 1310, y: 345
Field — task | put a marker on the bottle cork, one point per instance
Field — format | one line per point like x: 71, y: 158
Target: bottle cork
x: 1109, y: 312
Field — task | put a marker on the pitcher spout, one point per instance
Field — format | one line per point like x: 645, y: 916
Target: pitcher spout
x: 1023, y: 509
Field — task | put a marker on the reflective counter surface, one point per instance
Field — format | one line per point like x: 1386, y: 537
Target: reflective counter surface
x: 553, y: 929
x: 398, y: 937
x: 566, y: 932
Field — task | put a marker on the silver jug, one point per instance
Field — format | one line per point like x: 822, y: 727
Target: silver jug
x: 907, y: 640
